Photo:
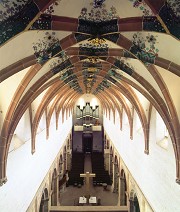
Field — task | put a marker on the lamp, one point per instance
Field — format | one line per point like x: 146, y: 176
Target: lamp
x: 98, y: 3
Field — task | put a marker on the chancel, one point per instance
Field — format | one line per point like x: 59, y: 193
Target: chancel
x: 89, y: 105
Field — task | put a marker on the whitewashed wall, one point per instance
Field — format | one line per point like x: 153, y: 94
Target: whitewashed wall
x: 25, y: 172
x: 154, y: 173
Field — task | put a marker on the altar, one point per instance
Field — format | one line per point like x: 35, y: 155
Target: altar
x: 91, y: 201
x: 82, y: 200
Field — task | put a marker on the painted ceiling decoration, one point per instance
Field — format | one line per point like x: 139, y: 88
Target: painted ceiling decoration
x: 46, y: 48
x: 16, y: 16
x: 94, y: 47
x: 174, y: 5
x: 116, y: 50
x: 138, y: 47
x: 58, y: 60
x: 171, y: 16
x: 112, y: 76
x: 50, y: 47
x: 89, y: 78
x: 147, y: 44
x: 98, y: 3
x: 145, y: 48
x: 9, y: 8
x: 168, y: 13
x: 42, y: 23
x: 17, y: 20
x: 98, y: 12
x: 140, y: 4
x: 51, y: 7
x: 70, y: 78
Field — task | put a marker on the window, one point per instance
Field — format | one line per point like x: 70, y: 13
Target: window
x: 161, y: 132
x: 139, y: 128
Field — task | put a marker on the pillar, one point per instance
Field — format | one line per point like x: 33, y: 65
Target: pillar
x: 122, y: 191
x: 131, y: 205
x: 69, y: 157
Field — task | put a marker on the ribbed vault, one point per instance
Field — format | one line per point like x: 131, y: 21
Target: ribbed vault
x: 114, y: 52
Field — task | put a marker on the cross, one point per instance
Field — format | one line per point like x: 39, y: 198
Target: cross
x: 87, y: 175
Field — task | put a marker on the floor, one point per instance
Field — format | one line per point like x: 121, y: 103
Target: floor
x: 70, y: 195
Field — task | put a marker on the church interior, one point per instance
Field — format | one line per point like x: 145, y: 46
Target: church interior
x: 89, y: 105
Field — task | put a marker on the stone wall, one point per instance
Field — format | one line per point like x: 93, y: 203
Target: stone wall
x: 29, y: 174
x: 155, y: 174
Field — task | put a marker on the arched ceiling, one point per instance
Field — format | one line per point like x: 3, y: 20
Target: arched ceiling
x: 126, y: 52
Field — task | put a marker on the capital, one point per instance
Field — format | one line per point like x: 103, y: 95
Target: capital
x: 146, y: 152
x: 3, y: 181
x: 178, y: 181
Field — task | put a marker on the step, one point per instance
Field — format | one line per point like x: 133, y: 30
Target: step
x: 88, y: 208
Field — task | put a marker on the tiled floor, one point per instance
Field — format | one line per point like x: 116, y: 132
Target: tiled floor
x: 70, y: 195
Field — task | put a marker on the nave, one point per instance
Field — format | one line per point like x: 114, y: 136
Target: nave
x: 66, y: 196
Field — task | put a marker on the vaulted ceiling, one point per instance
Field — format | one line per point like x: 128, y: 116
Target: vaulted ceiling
x: 125, y: 52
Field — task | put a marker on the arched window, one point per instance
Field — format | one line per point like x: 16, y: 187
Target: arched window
x: 116, y: 175
x: 139, y: 128
x: 54, y: 189
x: 44, y: 201
x: 123, y: 188
x: 111, y: 163
x: 134, y: 203
x: 61, y: 165
x: 161, y: 132
x: 64, y: 158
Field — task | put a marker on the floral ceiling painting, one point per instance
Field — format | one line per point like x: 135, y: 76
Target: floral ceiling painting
x: 71, y: 79
x: 60, y: 58
x: 46, y: 47
x: 98, y: 14
x: 15, y: 16
x: 140, y: 4
x: 145, y: 47
x: 175, y: 6
x: 50, y: 9
x: 9, y: 8
x: 90, y: 75
x: 147, y: 43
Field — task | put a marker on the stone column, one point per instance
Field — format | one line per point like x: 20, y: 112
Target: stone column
x: 69, y: 157
x: 116, y: 178
x: 119, y: 191
x: 106, y: 159
x: 57, y: 189
x: 65, y: 162
x: 112, y: 171
x: 122, y: 191
x: 46, y: 209
x: 131, y: 205
x: 49, y: 193
x: 111, y: 166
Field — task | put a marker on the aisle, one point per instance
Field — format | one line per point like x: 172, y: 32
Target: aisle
x: 87, y: 163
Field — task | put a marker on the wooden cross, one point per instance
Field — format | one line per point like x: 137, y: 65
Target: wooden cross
x: 87, y: 175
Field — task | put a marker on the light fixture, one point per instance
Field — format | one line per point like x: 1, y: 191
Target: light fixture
x: 98, y: 42
x: 93, y: 59
x: 98, y: 3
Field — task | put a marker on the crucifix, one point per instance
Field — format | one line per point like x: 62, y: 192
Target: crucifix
x: 87, y: 175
